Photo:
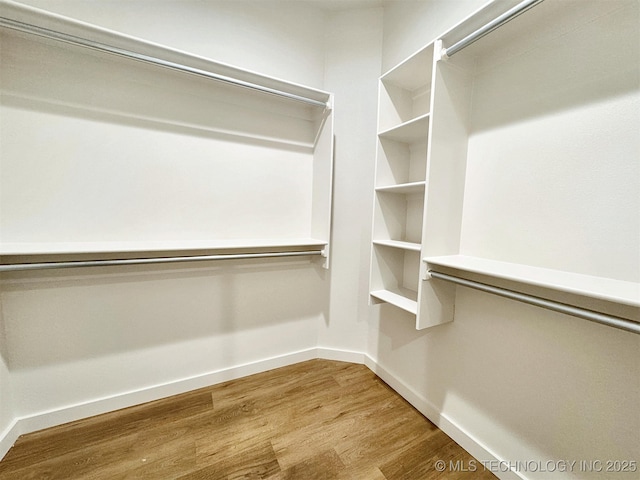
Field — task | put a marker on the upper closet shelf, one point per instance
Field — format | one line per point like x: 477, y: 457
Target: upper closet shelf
x: 197, y: 93
x: 42, y: 23
x: 409, y: 132
x: 618, y: 291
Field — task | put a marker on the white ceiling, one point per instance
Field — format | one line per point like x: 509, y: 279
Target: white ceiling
x: 343, y: 4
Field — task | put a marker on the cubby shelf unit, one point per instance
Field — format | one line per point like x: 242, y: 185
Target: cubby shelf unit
x: 401, y: 166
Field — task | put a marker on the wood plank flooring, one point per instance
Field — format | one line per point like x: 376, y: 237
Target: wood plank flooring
x: 316, y: 420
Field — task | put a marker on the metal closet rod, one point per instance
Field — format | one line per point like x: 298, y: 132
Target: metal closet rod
x: 139, y: 261
x: 590, y: 315
x: 83, y: 42
x: 491, y: 26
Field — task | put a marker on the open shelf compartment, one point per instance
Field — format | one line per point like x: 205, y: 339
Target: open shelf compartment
x: 395, y: 277
x: 398, y: 217
x: 405, y: 90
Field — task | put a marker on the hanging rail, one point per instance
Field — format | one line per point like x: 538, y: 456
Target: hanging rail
x: 138, y: 261
x: 72, y: 39
x: 491, y: 26
x: 590, y: 315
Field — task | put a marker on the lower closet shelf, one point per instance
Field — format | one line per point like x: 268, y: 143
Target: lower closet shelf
x: 39, y: 256
x: 625, y: 294
x: 402, y: 298
x: 612, y: 290
x: 72, y: 248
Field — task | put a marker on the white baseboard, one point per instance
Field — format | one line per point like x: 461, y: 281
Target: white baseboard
x: 340, y: 355
x: 442, y: 421
x: 9, y: 437
x: 46, y: 419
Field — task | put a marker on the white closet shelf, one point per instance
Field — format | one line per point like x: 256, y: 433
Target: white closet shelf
x: 412, y: 187
x: 84, y: 248
x: 411, y: 131
x: 411, y: 74
x: 413, y: 247
x: 618, y: 291
x: 25, y: 18
x: 402, y: 298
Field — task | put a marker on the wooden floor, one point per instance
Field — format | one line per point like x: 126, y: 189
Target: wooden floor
x: 317, y: 420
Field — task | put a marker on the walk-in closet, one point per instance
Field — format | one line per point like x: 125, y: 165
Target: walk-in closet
x: 338, y: 239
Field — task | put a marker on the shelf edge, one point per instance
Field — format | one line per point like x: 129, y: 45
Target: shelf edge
x: 398, y: 188
x: 409, y: 246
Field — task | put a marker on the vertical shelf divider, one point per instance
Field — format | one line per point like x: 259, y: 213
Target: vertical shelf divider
x: 445, y: 180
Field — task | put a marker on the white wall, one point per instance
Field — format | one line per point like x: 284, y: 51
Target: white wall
x: 353, y: 45
x: 526, y: 383
x: 411, y: 24
x: 78, y: 337
x: 569, y: 111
